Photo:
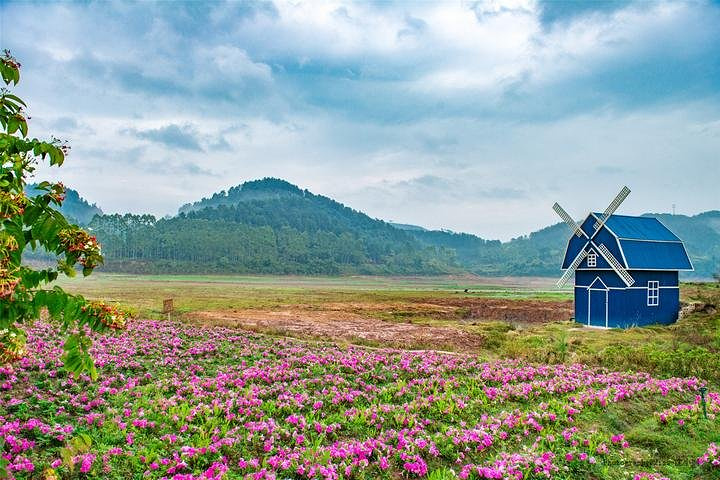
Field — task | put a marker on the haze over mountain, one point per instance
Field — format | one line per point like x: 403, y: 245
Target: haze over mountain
x: 76, y: 208
x: 272, y: 226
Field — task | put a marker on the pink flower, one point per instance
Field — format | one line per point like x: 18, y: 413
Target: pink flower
x: 86, y: 463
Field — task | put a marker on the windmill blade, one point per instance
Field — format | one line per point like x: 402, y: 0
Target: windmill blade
x: 616, y: 265
x: 571, y: 269
x: 619, y: 198
x: 569, y: 220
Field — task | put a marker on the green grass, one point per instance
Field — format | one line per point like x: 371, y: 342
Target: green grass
x: 654, y: 446
x: 144, y: 294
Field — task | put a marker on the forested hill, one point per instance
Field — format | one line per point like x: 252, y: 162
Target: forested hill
x: 265, y: 189
x: 76, y: 208
x: 272, y: 226
x: 540, y: 253
x: 266, y: 226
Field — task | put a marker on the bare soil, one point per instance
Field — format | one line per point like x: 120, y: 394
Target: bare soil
x: 511, y: 311
x: 345, y: 326
x: 358, y: 322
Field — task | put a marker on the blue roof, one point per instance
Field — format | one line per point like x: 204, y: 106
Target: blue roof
x: 644, y: 243
x: 639, y: 228
x: 642, y: 255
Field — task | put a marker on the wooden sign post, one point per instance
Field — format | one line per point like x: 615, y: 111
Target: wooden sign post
x: 168, y: 306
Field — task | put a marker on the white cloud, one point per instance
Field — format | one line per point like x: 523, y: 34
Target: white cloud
x: 475, y: 119
x: 231, y: 62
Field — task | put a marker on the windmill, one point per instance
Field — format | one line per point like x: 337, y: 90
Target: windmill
x: 626, y: 268
x: 592, y: 242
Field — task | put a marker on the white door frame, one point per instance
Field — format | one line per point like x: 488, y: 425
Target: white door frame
x: 589, y: 290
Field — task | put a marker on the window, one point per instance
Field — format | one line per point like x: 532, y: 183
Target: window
x: 592, y: 260
x: 653, y: 299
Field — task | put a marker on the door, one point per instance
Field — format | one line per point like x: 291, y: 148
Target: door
x: 597, y: 308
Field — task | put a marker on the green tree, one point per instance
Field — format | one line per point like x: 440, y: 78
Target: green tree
x: 34, y: 222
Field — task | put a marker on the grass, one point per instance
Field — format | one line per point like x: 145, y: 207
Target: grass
x: 144, y: 295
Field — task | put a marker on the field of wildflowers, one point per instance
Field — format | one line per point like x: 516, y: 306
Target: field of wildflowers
x: 186, y: 402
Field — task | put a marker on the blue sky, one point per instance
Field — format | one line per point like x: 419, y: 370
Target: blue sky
x: 472, y: 116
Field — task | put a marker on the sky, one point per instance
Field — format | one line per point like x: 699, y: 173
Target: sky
x: 472, y: 116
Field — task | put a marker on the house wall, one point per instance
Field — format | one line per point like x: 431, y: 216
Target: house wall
x: 628, y: 306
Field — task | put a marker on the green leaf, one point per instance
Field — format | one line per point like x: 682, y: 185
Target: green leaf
x: 81, y: 443
x: 15, y: 99
x: 71, y: 308
x: 71, y: 343
x: 3, y: 467
x: 67, y: 457
x: 55, y: 303
x: 93, y: 370
x: 12, y: 125
x: 57, y: 157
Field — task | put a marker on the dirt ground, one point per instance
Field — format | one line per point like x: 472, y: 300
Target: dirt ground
x: 512, y: 311
x: 392, y: 323
x: 348, y: 327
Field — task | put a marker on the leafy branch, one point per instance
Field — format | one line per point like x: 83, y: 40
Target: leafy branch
x: 34, y: 222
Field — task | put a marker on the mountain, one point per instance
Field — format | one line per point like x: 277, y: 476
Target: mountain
x: 266, y: 226
x: 701, y: 235
x: 75, y: 208
x: 405, y: 226
x: 255, y: 190
x: 540, y: 253
x: 272, y: 226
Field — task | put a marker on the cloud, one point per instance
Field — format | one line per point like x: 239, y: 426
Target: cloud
x: 453, y: 189
x: 609, y: 169
x: 64, y: 125
x: 465, y: 115
x: 234, y: 62
x: 181, y: 137
x: 554, y: 11
x: 172, y: 166
x: 413, y: 26
x: 485, y: 10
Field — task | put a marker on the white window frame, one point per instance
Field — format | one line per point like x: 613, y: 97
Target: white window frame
x: 653, y: 293
x: 592, y: 260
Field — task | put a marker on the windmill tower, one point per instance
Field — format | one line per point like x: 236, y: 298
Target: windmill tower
x: 626, y: 268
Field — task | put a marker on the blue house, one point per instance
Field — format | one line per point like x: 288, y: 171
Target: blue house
x: 626, y: 269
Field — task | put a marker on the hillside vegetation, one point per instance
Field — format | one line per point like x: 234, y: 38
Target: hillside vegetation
x: 272, y: 226
x: 540, y: 253
x: 267, y: 226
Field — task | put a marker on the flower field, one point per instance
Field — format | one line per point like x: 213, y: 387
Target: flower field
x: 185, y: 402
